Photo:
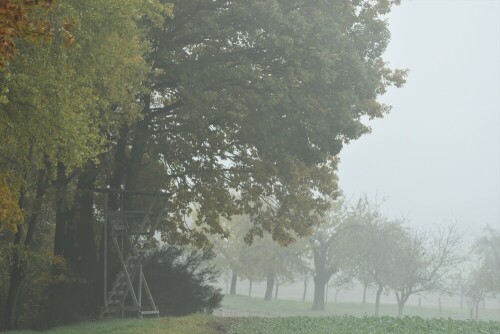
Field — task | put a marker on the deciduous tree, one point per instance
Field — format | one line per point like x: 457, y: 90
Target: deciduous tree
x: 423, y: 262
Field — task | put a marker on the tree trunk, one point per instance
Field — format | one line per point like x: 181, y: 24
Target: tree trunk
x: 377, y: 299
x: 477, y: 310
x: 400, y: 309
x: 419, y: 301
x: 234, y: 279
x: 364, y: 293
x: 85, y: 243
x: 276, y: 291
x: 440, y: 305
x: 134, y: 165
x: 319, y: 293
x: 139, y: 145
x: 120, y: 163
x: 62, y: 213
x: 18, y: 266
x: 401, y: 302
x: 321, y: 277
x: 250, y: 289
x: 461, y: 301
x: 15, y: 279
x: 270, y: 285
x: 305, y: 289
x: 337, y: 291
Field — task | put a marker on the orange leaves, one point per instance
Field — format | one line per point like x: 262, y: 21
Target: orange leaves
x: 16, y: 22
x: 10, y: 213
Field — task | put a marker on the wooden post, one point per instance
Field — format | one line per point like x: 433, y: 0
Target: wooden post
x: 105, y: 259
x: 139, y: 292
x: 125, y: 272
x: 148, y: 293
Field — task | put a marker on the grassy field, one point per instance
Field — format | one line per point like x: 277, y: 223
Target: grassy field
x: 195, y: 324
x: 293, y: 317
x: 258, y: 307
x: 203, y: 324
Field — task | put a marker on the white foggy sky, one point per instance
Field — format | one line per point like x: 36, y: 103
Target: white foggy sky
x: 435, y: 157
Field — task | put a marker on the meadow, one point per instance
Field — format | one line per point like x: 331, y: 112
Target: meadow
x: 256, y: 306
x: 254, y: 316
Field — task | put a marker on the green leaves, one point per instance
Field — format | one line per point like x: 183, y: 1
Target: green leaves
x: 371, y: 325
x: 64, y: 99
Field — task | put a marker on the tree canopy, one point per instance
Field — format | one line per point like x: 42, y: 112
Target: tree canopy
x: 234, y: 107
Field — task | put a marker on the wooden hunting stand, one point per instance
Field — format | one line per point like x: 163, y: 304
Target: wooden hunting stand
x: 131, y: 233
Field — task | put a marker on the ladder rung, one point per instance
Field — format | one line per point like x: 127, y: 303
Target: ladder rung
x: 149, y: 312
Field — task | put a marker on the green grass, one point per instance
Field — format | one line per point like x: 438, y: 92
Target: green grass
x: 366, y: 325
x: 194, y: 324
x: 302, y: 321
x: 258, y: 307
x: 203, y: 324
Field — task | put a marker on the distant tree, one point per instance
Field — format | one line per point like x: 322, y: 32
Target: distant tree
x: 367, y: 246
x: 423, y: 262
x: 484, y: 279
x: 487, y: 247
x: 231, y: 249
x: 276, y: 263
x: 372, y: 250
x: 323, y: 245
x: 457, y: 285
x: 479, y: 284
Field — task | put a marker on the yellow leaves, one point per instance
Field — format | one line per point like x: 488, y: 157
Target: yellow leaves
x: 169, y: 9
x: 10, y: 213
x: 17, y: 21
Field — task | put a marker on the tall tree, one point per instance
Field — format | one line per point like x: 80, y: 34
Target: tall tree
x: 234, y: 107
x: 63, y: 101
x: 257, y: 97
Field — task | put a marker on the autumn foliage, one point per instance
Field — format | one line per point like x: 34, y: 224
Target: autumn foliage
x: 10, y: 213
x: 16, y: 21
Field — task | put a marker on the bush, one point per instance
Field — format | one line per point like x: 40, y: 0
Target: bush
x: 180, y: 280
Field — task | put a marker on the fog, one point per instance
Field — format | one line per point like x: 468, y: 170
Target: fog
x: 435, y: 157
x: 167, y: 158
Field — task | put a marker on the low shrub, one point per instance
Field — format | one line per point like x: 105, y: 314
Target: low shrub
x: 180, y: 280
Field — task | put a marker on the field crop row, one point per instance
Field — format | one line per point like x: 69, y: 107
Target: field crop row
x: 366, y: 325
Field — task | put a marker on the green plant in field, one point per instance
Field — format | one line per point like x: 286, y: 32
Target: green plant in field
x: 368, y: 325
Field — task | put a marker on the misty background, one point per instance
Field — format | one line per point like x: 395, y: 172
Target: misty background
x: 435, y: 157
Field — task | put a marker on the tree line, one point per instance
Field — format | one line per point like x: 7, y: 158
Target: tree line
x: 356, y: 244
x: 234, y: 107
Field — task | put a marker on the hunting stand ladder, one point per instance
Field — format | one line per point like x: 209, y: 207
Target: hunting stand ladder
x: 131, y: 234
